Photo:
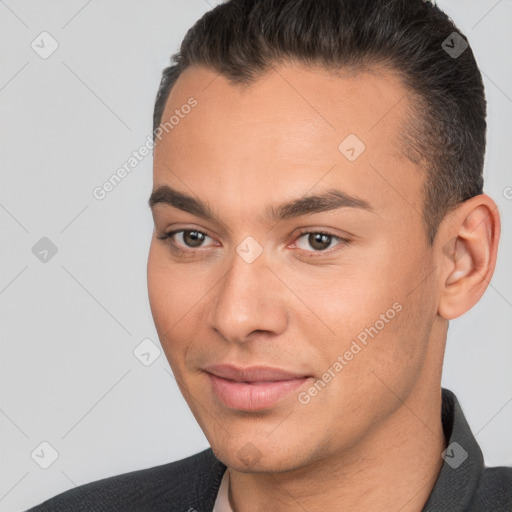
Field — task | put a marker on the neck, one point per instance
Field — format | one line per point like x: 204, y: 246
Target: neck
x: 394, y: 468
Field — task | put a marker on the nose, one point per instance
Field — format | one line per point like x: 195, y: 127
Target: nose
x: 250, y: 299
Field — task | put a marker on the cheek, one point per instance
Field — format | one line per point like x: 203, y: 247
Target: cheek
x: 165, y: 290
x: 365, y: 310
x: 176, y: 295
x: 160, y: 287
x: 343, y: 301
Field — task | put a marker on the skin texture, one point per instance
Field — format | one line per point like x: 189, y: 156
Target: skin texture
x: 372, y: 438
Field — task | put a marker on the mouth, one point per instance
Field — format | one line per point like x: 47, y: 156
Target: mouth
x: 254, y: 388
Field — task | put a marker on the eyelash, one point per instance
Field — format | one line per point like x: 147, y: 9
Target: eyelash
x: 167, y: 238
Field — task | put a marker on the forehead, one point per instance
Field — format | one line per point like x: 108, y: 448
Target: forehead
x: 290, y: 92
x: 288, y: 129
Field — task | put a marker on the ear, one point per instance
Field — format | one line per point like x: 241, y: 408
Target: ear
x: 466, y: 250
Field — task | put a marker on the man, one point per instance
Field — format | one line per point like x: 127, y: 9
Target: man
x: 319, y: 219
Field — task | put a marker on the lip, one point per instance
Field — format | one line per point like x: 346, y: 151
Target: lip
x: 253, y: 388
x: 251, y: 373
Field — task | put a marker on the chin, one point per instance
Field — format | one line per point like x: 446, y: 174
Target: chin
x: 250, y: 457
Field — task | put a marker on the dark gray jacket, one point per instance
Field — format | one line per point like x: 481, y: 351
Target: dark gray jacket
x: 191, y: 485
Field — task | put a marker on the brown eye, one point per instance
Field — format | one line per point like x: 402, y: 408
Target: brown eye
x: 193, y: 238
x: 319, y: 241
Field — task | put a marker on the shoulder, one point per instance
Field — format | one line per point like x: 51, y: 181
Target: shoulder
x: 193, y: 480
x: 494, y: 491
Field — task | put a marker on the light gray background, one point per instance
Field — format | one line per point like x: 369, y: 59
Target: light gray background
x: 69, y: 326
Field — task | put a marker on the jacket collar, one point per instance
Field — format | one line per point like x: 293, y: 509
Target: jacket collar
x: 463, y: 461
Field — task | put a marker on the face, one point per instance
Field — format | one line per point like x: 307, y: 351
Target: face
x: 335, y: 293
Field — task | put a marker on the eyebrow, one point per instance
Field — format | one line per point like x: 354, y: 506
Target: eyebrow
x: 324, y: 201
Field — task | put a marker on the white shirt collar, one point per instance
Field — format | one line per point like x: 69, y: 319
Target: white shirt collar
x: 222, y: 501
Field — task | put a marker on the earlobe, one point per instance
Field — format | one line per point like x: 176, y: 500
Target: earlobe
x: 468, y: 258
